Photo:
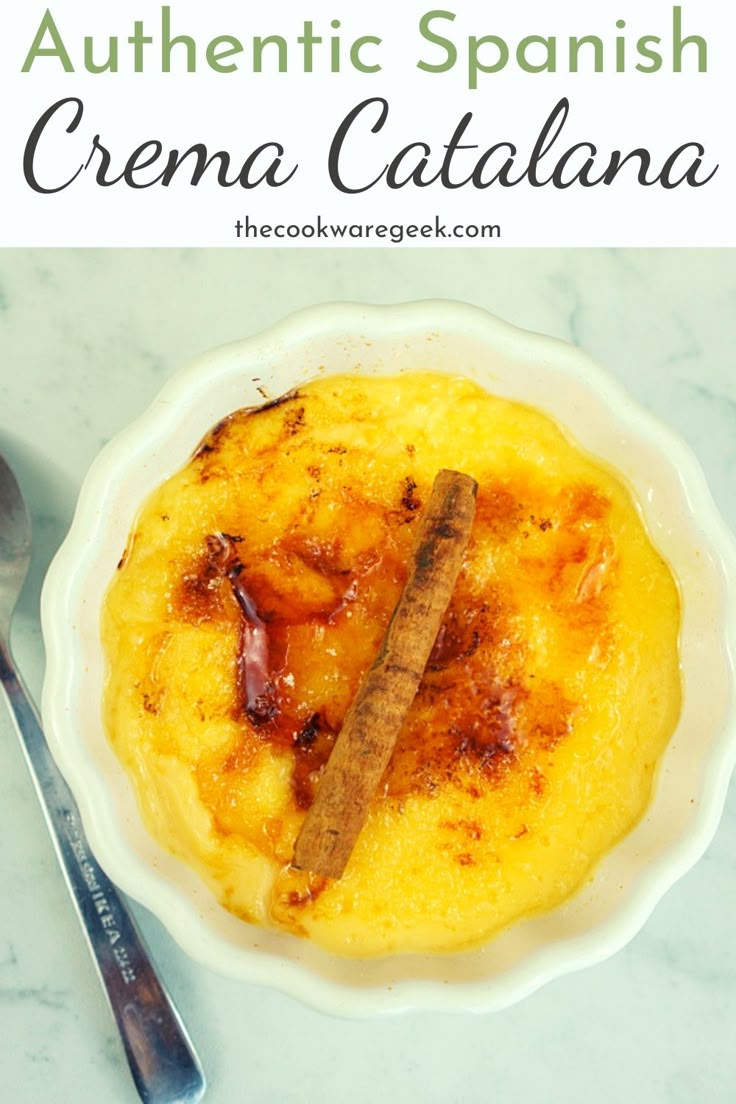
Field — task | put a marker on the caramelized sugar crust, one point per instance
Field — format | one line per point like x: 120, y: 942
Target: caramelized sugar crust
x: 254, y: 593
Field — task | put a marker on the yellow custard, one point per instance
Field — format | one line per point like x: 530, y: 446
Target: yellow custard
x: 254, y: 593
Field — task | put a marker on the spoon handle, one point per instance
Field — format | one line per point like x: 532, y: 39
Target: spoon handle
x: 163, y: 1062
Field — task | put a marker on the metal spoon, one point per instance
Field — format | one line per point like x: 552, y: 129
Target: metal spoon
x: 163, y: 1062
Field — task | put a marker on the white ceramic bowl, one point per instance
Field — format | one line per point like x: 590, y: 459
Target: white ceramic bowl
x: 682, y: 520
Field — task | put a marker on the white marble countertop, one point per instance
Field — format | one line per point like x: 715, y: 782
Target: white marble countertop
x: 86, y: 340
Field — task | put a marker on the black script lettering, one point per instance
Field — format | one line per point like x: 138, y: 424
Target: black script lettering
x: 548, y: 164
x: 450, y: 150
x: 690, y: 176
x: 137, y: 160
x: 414, y: 175
x: 617, y: 162
x: 263, y: 165
x: 502, y: 174
x: 335, y: 154
x: 579, y: 175
x: 548, y: 135
x: 29, y: 154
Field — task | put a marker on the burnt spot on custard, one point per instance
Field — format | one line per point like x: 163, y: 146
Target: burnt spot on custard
x: 468, y: 740
x: 476, y: 714
x: 207, y: 453
x: 127, y: 550
x: 409, y: 500
x: 151, y: 696
x: 583, y: 503
x: 498, y: 510
x: 471, y: 829
x: 293, y: 416
x: 151, y: 703
x: 294, y: 421
x: 197, y: 596
x: 312, y: 745
x: 211, y: 441
x: 465, y: 625
x: 271, y: 404
x: 327, y: 556
x: 298, y: 898
x: 537, y: 782
x: 481, y: 712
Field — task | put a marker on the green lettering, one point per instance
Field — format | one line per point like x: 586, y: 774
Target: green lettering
x: 273, y: 40
x: 679, y: 44
x: 475, y: 66
x: 654, y: 56
x: 111, y: 62
x: 214, y: 57
x: 549, y: 65
x: 48, y: 26
x: 355, y: 58
x: 427, y: 33
x: 587, y: 40
x: 138, y: 40
x: 167, y: 42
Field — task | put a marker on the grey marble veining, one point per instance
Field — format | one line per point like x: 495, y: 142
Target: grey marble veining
x: 87, y: 338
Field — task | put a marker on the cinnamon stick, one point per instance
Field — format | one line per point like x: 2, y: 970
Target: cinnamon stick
x: 372, y: 724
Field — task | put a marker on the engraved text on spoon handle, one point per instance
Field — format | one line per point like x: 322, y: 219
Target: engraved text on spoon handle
x: 159, y: 1053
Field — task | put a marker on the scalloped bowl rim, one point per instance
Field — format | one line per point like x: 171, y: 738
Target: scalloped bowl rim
x: 533, y: 951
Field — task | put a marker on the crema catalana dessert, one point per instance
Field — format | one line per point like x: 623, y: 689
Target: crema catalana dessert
x: 258, y: 587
